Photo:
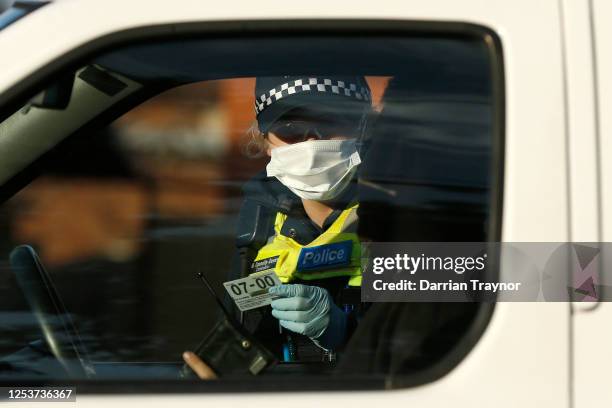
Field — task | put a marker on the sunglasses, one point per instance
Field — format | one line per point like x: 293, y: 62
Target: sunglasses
x: 300, y: 131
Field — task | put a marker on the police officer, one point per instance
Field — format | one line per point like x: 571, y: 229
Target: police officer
x: 299, y: 217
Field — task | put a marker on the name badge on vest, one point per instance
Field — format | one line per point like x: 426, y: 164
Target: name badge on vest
x: 325, y: 256
x: 264, y: 264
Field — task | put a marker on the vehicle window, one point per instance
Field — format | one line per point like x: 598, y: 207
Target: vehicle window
x: 177, y: 167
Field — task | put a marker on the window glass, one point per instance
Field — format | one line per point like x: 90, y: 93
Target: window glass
x: 175, y: 159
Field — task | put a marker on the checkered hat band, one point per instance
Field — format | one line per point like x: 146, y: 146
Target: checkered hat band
x: 324, y: 85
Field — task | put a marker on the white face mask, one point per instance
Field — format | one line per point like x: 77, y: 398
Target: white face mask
x: 317, y: 169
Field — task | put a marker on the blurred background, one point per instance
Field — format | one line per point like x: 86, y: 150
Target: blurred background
x: 125, y: 217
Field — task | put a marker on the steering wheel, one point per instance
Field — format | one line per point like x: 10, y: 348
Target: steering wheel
x: 55, y: 323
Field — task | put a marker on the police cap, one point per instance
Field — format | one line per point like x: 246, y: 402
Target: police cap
x: 338, y: 95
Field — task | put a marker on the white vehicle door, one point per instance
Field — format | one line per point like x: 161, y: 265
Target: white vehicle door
x: 590, y: 330
x: 512, y: 354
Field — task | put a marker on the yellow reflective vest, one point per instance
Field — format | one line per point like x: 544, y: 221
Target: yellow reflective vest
x: 336, y: 252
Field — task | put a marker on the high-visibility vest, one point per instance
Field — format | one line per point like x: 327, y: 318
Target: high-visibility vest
x: 336, y: 252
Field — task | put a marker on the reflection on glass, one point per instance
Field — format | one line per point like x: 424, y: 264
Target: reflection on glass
x: 125, y: 215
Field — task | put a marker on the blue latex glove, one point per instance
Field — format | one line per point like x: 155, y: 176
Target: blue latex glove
x: 310, y: 310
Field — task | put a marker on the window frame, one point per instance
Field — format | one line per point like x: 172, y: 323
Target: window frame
x: 17, y: 95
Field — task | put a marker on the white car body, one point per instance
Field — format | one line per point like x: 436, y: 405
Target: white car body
x: 557, y: 180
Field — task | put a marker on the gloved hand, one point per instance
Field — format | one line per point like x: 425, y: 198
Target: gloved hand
x: 310, y: 310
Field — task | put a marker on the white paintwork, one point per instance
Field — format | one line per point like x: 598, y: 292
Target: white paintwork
x: 603, y: 34
x: 523, y: 358
x: 581, y: 122
x: 592, y: 331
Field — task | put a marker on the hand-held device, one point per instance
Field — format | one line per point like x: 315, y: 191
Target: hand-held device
x: 229, y: 349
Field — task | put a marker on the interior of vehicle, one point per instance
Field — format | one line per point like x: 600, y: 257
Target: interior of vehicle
x: 122, y: 178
